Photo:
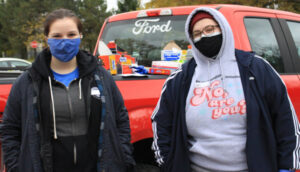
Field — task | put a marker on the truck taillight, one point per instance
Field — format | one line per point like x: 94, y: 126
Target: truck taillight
x: 153, y: 13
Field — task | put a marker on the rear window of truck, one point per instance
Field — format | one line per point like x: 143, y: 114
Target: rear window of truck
x: 145, y: 38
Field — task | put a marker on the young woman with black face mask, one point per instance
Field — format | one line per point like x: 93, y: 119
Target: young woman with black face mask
x: 225, y: 109
x: 207, y: 35
x: 66, y: 114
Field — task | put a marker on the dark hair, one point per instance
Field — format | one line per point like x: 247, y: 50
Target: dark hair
x: 60, y: 14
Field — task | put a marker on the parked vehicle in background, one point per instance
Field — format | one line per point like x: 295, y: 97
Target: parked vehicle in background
x: 149, y: 36
x: 10, y: 63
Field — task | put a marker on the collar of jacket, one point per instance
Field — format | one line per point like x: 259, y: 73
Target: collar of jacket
x: 188, y: 70
x: 244, y: 58
x: 41, y: 66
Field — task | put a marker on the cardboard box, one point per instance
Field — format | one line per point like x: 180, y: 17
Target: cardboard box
x: 170, y: 65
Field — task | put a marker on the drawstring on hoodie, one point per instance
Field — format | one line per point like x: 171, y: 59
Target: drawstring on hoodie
x: 53, y: 108
x: 208, y: 67
x: 221, y: 71
x: 80, y: 92
x: 227, y: 43
x: 222, y: 74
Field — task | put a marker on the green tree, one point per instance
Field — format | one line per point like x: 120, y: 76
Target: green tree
x: 93, y: 14
x: 68, y: 4
x: 287, y: 5
x: 127, y: 5
x: 21, y: 21
x: 15, y: 17
x: 4, y: 44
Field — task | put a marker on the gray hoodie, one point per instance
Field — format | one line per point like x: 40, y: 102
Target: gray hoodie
x: 215, y: 106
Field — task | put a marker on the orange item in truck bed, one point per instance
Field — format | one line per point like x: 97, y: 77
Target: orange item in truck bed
x: 109, y: 63
x: 159, y: 71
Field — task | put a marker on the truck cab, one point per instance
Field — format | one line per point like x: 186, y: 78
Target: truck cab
x: 150, y: 36
x: 155, y: 39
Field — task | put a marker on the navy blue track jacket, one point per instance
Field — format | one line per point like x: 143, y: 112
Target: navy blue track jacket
x: 272, y: 124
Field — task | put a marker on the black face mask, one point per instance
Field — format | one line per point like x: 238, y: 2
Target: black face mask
x: 210, y: 46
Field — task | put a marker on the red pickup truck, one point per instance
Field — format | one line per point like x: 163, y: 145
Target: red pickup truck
x: 148, y: 35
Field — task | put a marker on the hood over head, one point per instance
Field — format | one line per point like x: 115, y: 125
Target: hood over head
x: 227, y: 48
x: 85, y: 61
x: 197, y: 17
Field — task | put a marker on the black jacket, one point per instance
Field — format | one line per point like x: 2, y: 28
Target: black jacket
x: 272, y: 124
x: 26, y: 136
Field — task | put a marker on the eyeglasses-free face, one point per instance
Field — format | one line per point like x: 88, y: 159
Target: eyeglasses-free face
x: 65, y: 28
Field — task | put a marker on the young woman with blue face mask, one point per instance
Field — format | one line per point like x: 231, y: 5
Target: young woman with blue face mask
x: 66, y: 113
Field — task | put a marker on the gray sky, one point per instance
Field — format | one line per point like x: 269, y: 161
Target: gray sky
x: 113, y: 3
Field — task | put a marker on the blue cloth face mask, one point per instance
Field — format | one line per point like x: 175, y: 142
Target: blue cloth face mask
x: 64, y: 49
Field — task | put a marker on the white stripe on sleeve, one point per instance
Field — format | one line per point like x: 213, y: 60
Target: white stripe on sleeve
x: 296, y: 163
x: 155, y: 146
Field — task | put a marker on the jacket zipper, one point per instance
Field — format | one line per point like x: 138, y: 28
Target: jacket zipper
x: 71, y: 117
x: 103, y: 143
x: 75, y: 154
x: 71, y: 110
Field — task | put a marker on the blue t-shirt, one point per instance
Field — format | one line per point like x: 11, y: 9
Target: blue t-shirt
x: 66, y: 78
